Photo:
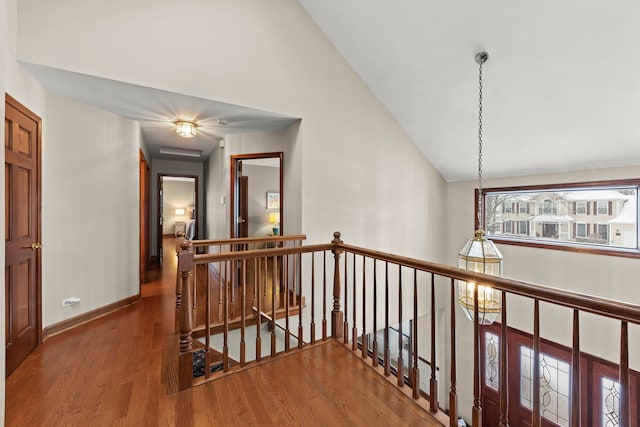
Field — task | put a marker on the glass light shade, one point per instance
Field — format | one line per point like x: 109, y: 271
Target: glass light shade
x: 481, y: 256
x: 179, y: 211
x: 186, y: 129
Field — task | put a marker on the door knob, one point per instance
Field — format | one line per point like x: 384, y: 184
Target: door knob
x: 34, y: 246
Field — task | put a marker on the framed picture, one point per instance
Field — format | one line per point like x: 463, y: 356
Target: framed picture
x: 273, y: 200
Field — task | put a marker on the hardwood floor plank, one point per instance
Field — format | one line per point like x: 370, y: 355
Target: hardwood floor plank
x: 119, y: 370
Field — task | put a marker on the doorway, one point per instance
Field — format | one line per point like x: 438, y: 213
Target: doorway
x: 23, y: 228
x: 256, y: 195
x: 144, y: 216
x: 177, y: 207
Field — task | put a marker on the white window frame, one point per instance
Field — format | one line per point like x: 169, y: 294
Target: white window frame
x: 606, y: 207
x: 581, y: 208
x: 582, y: 236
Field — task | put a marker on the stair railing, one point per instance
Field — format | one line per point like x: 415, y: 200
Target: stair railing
x: 370, y: 293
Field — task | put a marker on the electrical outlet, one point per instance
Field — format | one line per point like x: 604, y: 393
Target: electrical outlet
x: 70, y: 301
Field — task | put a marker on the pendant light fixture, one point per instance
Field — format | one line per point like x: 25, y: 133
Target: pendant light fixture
x: 480, y: 254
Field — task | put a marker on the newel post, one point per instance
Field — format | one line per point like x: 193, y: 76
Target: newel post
x: 185, y: 357
x: 337, y: 317
x: 185, y: 267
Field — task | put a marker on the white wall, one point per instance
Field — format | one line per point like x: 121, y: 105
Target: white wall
x: 173, y: 168
x: 604, y: 276
x: 89, y: 208
x: 358, y: 167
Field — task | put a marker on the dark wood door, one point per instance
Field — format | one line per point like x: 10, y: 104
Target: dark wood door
x: 22, y: 230
x: 144, y: 217
x: 243, y: 206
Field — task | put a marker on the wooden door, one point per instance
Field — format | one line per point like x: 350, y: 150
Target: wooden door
x: 243, y: 206
x: 144, y: 217
x: 22, y: 138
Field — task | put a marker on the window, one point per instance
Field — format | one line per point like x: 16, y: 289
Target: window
x: 508, y: 227
x: 523, y: 227
x: 610, y: 399
x: 574, y: 217
x: 491, y: 374
x: 523, y: 208
x: 603, y: 207
x: 603, y: 232
x: 554, y: 386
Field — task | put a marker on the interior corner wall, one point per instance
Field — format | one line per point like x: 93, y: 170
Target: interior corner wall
x: 90, y: 208
x: 173, y: 168
x: 604, y: 276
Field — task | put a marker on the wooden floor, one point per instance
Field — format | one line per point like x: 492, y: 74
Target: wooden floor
x: 112, y: 371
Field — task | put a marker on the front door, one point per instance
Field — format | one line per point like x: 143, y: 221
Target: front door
x: 22, y: 130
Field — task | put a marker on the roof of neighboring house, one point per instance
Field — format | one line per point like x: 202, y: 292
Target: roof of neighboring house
x: 579, y: 195
x: 628, y: 213
x: 551, y: 218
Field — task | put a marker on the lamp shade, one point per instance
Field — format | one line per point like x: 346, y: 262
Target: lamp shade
x: 186, y: 129
x: 481, y: 256
x: 274, y: 217
x: 180, y: 211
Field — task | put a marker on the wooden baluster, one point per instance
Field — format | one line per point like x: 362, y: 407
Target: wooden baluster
x: 346, y: 301
x: 194, y: 289
x: 313, y: 298
x: 387, y: 354
x: 415, y: 377
x: 400, y: 373
x: 365, y: 344
x: 433, y: 382
x: 207, y: 337
x: 625, y: 389
x: 274, y: 276
x: 221, y: 285
x: 287, y: 336
x: 324, y: 295
x: 225, y: 344
x: 295, y: 269
x: 453, y: 395
x: 256, y: 273
x: 185, y: 358
x: 354, y: 331
x: 259, y: 316
x: 535, y: 412
x: 336, y: 314
x: 575, y: 372
x: 243, y: 315
x: 476, y: 412
x: 374, y: 350
x: 504, y: 366
x: 300, y: 328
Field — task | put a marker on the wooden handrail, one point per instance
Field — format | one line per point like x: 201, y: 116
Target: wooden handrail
x: 244, y: 240
x: 260, y: 253
x: 618, y: 310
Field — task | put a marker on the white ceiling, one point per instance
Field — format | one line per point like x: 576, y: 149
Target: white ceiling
x: 158, y: 110
x: 561, y: 87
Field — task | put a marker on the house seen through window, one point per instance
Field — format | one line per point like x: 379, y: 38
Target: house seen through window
x: 596, y: 216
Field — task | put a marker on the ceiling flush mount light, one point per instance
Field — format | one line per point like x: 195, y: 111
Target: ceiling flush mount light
x: 480, y: 254
x: 186, y: 129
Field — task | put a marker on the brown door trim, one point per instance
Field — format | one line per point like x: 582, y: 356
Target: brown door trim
x: 235, y: 158
x: 144, y: 216
x: 11, y: 101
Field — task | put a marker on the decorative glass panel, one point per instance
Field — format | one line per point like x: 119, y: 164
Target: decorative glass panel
x: 491, y: 372
x: 554, y: 386
x: 610, y: 402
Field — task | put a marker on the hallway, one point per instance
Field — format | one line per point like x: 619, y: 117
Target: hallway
x: 113, y: 371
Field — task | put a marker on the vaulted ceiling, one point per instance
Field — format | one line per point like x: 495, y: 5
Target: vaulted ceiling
x: 561, y: 86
